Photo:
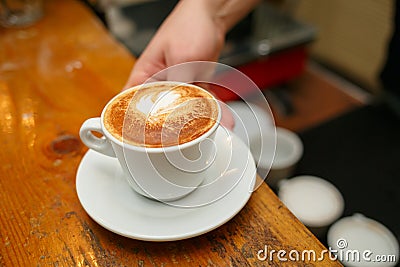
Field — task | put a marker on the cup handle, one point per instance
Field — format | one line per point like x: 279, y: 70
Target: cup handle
x: 102, y: 144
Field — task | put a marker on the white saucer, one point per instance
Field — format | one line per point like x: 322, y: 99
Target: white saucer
x: 106, y: 196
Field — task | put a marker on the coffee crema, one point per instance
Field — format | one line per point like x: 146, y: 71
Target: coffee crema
x: 161, y: 115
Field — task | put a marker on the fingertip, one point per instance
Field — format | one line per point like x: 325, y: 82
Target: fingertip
x: 134, y: 79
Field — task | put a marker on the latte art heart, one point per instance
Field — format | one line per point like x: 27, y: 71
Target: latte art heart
x: 157, y: 105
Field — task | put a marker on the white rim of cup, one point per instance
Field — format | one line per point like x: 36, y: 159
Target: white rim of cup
x: 159, y: 149
x: 338, y: 195
x: 295, y: 143
x: 336, y: 238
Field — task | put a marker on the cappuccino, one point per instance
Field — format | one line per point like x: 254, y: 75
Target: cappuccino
x: 161, y: 115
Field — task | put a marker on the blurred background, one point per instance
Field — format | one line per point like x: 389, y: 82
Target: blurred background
x: 319, y: 65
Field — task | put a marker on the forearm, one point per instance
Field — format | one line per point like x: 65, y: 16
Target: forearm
x: 225, y: 13
x: 229, y: 12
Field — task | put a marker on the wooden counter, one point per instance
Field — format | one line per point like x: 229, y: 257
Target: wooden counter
x: 53, y: 76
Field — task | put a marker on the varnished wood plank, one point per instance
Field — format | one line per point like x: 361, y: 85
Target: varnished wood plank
x: 53, y: 76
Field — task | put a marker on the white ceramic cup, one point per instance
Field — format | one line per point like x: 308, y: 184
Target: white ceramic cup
x: 314, y: 201
x: 161, y: 173
x: 282, y: 161
x: 360, y: 241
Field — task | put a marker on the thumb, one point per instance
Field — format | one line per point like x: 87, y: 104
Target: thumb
x: 136, y: 77
x: 149, y: 63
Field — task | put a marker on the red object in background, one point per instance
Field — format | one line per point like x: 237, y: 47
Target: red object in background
x: 269, y: 71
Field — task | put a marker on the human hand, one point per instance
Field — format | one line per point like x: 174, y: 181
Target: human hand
x: 190, y: 33
x: 185, y: 36
x: 194, y: 31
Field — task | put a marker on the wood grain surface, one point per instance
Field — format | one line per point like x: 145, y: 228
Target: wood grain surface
x: 53, y: 76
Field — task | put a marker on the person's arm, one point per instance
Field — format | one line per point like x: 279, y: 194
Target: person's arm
x: 195, y: 30
x: 228, y: 12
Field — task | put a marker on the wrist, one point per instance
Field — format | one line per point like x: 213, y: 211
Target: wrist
x: 210, y: 8
x: 226, y: 13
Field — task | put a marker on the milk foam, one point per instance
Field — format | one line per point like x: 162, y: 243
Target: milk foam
x: 161, y: 115
x: 165, y: 102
